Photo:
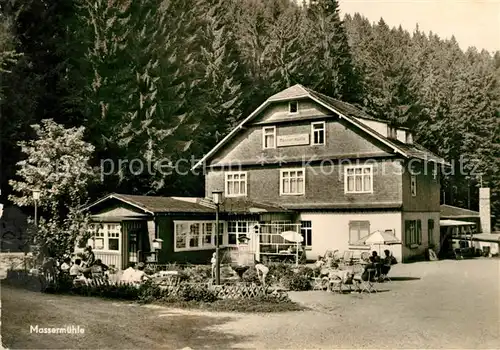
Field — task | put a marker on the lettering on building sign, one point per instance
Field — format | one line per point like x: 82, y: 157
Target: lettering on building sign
x: 292, y: 140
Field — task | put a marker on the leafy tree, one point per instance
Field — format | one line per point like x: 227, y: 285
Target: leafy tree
x: 57, y: 164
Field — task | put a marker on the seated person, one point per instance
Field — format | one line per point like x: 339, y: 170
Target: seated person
x: 66, y: 265
x: 76, y: 269
x: 139, y: 274
x: 387, y: 262
x: 128, y: 273
x: 98, y: 269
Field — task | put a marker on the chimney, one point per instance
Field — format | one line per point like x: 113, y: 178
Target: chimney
x: 484, y: 209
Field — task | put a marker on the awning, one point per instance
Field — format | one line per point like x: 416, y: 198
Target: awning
x: 482, y: 237
x: 455, y: 223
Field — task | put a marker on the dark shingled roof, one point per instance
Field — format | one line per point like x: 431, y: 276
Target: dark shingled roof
x: 156, y: 204
x: 241, y: 205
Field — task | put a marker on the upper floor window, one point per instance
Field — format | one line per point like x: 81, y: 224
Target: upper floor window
x: 413, y: 185
x: 318, y: 133
x: 358, y: 179
x: 293, y: 107
x: 269, y: 137
x: 236, y: 184
x: 292, y: 182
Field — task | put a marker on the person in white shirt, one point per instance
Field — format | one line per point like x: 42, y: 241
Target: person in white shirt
x: 261, y: 270
x: 76, y: 269
x: 128, y: 273
x: 139, y: 275
x: 66, y: 265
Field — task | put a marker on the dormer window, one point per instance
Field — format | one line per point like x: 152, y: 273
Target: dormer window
x: 293, y: 107
x: 409, y: 138
x: 392, y: 132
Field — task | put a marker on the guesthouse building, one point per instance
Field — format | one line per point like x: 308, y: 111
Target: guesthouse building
x: 303, y: 162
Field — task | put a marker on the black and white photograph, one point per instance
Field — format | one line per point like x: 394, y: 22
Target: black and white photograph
x: 249, y: 174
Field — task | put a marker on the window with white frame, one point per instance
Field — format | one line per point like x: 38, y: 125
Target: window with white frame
x: 358, y: 230
x: 318, y: 133
x: 293, y: 107
x: 105, y: 237
x: 196, y: 235
x: 413, y: 185
x: 269, y: 137
x: 306, y: 232
x: 292, y: 181
x: 359, y: 179
x: 236, y: 184
x: 235, y: 229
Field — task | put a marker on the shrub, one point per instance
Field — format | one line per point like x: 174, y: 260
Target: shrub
x: 198, y: 273
x: 202, y: 293
x: 297, y: 282
x: 148, y: 292
x: 278, y: 272
x: 251, y: 276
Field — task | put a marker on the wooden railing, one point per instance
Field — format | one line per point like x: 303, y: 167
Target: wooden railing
x: 110, y: 258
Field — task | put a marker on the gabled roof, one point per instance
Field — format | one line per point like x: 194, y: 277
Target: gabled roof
x: 154, y: 204
x: 344, y: 110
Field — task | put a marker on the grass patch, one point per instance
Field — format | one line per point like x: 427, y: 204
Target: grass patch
x: 238, y: 305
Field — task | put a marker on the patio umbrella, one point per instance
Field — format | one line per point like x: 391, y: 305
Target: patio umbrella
x: 379, y: 238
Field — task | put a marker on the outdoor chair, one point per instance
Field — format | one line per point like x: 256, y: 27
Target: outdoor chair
x: 335, y: 284
x: 384, y: 273
x: 347, y: 257
x: 362, y: 285
x: 319, y: 283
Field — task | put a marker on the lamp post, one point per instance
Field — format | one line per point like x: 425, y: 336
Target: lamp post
x: 217, y: 199
x: 36, y: 197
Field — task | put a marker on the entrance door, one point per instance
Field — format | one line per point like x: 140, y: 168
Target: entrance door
x: 137, y: 241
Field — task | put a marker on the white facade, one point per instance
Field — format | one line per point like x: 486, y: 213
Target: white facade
x: 331, y: 230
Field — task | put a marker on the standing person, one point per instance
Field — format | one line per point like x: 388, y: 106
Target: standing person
x: 89, y: 257
x: 261, y: 270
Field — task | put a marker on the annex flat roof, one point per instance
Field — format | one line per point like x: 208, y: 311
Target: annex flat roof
x: 455, y: 223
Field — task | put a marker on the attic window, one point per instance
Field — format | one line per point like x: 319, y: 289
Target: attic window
x: 391, y: 132
x: 293, y: 107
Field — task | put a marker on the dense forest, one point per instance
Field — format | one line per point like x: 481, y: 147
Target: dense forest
x: 165, y: 79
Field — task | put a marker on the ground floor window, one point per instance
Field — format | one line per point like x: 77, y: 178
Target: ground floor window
x: 413, y: 232
x: 358, y: 230
x: 306, y: 232
x: 105, y: 237
x: 235, y: 229
x: 195, y: 235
